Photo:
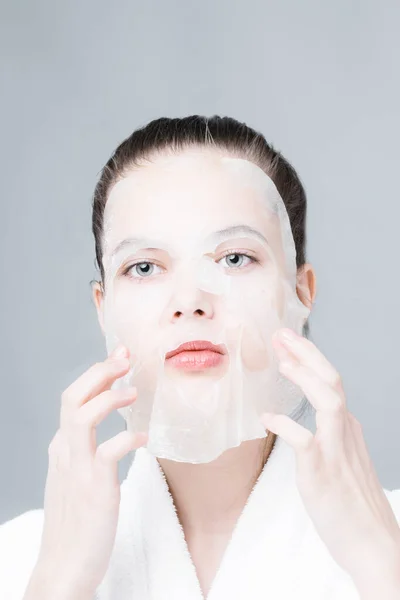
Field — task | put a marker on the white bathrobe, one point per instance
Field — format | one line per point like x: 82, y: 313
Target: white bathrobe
x: 274, y: 553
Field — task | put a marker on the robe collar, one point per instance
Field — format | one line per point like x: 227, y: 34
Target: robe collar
x: 274, y: 548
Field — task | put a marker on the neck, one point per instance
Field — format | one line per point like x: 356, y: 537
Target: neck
x: 209, y: 497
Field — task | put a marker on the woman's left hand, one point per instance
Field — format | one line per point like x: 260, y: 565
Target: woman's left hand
x: 335, y: 475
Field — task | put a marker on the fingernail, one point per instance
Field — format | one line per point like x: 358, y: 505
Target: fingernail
x: 118, y: 352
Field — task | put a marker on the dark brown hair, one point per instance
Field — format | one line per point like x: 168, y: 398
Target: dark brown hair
x: 174, y: 135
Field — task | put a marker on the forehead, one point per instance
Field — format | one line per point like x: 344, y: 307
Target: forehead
x: 192, y: 193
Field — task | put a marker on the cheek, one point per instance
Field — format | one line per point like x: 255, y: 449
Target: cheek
x: 260, y: 313
x: 135, y: 313
x: 254, y: 353
x: 278, y: 301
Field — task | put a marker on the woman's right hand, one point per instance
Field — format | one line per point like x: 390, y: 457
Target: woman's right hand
x: 82, y: 494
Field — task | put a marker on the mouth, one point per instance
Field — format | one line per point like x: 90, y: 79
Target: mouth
x: 196, y: 355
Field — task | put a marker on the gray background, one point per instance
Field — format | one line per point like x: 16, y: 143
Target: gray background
x: 319, y: 79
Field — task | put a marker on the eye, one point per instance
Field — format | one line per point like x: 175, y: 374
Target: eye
x: 238, y: 259
x: 140, y: 270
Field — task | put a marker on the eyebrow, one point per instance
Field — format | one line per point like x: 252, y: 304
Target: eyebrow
x: 218, y: 236
x: 142, y: 242
x: 239, y: 229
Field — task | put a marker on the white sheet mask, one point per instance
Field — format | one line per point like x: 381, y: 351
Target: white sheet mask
x: 195, y: 416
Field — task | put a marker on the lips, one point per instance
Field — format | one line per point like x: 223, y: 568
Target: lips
x: 196, y: 346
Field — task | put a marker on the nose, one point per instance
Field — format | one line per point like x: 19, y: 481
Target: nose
x: 189, y: 303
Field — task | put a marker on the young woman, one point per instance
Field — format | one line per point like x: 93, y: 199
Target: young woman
x: 293, y: 515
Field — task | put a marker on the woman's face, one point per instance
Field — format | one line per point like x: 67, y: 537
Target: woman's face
x: 178, y: 208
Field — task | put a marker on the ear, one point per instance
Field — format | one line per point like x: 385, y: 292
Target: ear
x: 307, y: 284
x: 98, y: 298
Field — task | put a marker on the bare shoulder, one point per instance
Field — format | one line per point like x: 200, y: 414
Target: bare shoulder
x: 20, y: 539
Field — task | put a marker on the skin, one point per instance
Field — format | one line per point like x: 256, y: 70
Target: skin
x: 335, y: 474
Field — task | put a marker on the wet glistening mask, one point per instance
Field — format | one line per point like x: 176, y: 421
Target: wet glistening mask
x: 198, y: 401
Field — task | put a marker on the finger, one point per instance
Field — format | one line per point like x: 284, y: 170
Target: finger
x: 96, y: 410
x: 291, y: 432
x: 307, y: 354
x: 321, y: 395
x: 81, y: 433
x: 110, y: 452
x: 330, y: 407
x: 95, y: 380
